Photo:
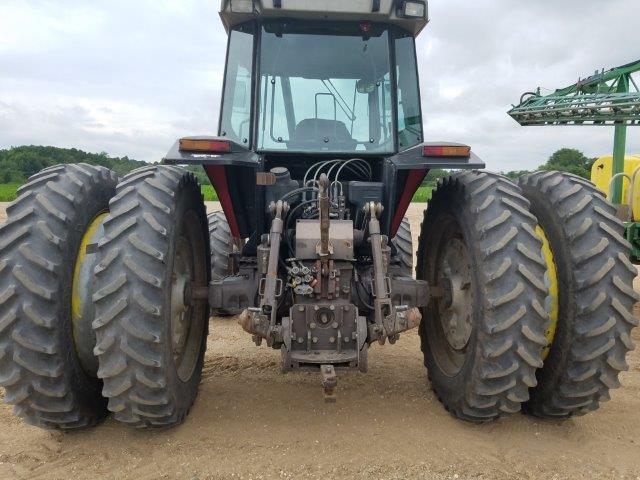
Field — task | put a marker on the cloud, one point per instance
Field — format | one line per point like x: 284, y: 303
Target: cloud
x: 476, y: 59
x: 130, y: 77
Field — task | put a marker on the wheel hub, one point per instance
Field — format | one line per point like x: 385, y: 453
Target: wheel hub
x: 180, y: 308
x: 456, y: 310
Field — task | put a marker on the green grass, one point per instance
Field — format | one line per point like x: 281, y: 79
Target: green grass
x: 8, y: 193
x: 209, y: 193
x: 422, y: 195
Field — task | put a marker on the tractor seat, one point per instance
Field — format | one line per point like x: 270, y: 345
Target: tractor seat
x: 332, y: 134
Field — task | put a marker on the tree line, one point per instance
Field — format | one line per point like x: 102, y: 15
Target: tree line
x: 19, y: 163
x: 563, y: 160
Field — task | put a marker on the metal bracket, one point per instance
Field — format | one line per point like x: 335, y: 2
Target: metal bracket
x: 278, y: 290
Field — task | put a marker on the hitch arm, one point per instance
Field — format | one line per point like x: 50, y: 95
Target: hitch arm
x: 261, y: 322
x: 390, y: 320
x: 382, y: 305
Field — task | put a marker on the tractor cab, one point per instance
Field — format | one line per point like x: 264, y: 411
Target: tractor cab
x: 319, y: 83
x: 342, y: 88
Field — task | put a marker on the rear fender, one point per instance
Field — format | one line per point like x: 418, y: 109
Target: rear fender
x: 405, y: 172
x: 233, y: 176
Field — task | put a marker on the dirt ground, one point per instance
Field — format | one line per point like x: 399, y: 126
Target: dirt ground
x: 251, y: 422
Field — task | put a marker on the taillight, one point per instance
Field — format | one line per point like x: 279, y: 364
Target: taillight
x: 205, y: 145
x: 446, y: 151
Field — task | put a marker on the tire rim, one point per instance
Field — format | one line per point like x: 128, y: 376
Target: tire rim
x: 451, y: 331
x: 187, y: 316
x: 551, y: 280
x: 82, y: 307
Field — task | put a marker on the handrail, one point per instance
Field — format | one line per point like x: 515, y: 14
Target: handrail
x: 629, y: 192
x: 632, y: 189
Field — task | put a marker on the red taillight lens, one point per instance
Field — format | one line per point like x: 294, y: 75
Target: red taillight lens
x: 446, y: 151
x: 202, y: 145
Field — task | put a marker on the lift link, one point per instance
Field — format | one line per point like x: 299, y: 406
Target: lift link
x: 324, y: 251
x: 261, y: 322
x: 390, y: 320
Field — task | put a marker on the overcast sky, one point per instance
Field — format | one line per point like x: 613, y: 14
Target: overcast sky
x: 128, y: 77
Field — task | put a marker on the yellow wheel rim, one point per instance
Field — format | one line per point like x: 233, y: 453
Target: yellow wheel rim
x: 77, y: 305
x: 552, y: 282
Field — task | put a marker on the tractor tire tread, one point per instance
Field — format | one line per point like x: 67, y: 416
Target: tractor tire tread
x: 404, y: 246
x: 41, y: 379
x: 580, y: 372
x: 513, y: 319
x: 130, y: 298
x: 221, y: 249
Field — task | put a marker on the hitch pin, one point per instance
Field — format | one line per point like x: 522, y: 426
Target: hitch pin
x: 329, y: 382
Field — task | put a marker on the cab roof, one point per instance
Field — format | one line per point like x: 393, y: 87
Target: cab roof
x: 235, y: 12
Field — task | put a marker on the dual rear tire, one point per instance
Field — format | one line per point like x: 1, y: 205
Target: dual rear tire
x: 88, y: 262
x: 41, y: 370
x: 591, y: 296
x: 537, y: 296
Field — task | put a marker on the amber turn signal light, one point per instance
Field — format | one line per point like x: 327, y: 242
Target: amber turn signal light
x: 446, y: 151
x: 203, y: 145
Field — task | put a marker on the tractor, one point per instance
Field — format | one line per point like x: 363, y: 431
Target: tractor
x: 521, y: 293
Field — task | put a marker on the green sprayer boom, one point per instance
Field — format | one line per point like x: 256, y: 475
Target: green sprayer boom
x: 609, y: 97
x: 605, y: 98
